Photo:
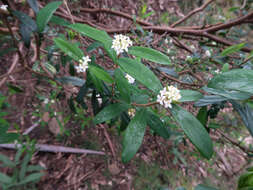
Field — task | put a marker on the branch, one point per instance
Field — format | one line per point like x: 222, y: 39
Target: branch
x: 238, y: 21
x: 55, y: 149
x: 244, y: 149
x: 117, y: 13
x: 192, y: 13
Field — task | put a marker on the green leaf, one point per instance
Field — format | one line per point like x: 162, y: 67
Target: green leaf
x: 133, y: 135
x: 122, y: 85
x: 207, y: 100
x: 234, y: 95
x: 7, y: 50
x: 4, y: 136
x: 95, y: 34
x: 5, y: 179
x: 31, y: 178
x: 50, y: 67
x: 194, y: 130
x: 155, y: 123
x: 237, y: 79
x: 149, y: 54
x: 246, y: 114
x: 33, y: 168
x: 232, y: 49
x: 45, y: 14
x: 27, y: 26
x: 190, y: 95
x: 34, y: 5
x: 203, y: 115
x: 110, y: 112
x: 245, y: 181
x: 6, y: 161
x: 98, y: 35
x: 23, y: 169
x: 101, y: 74
x: 141, y: 73
x: 59, y: 21
x: 225, y: 67
x: 25, y: 34
x: 71, y: 80
x: 8, y: 137
x: 70, y: 49
x: 204, y: 187
x: 26, y: 20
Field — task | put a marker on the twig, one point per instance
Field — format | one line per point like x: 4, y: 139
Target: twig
x: 238, y: 21
x: 182, y: 45
x: 244, y: 149
x: 55, y: 149
x: 27, y: 131
x: 145, y: 105
x: 244, y: 4
x: 180, y: 82
x: 14, y: 63
x: 69, y: 12
x: 108, y: 140
x: 117, y: 13
x: 192, y: 13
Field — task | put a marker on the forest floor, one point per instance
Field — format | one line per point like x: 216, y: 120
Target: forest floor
x: 159, y: 163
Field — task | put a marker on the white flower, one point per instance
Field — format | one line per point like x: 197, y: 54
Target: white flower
x: 217, y: 71
x: 46, y: 100
x: 121, y: 43
x: 55, y: 113
x: 4, y: 7
x: 99, y: 99
x: 168, y: 95
x: 52, y: 101
x: 172, y: 57
x: 188, y: 57
x: 131, y: 112
x: 129, y: 78
x: 168, y: 51
x: 192, y: 47
x: 208, y: 53
x: 221, y: 17
x: 166, y: 41
x: 171, y: 41
x: 83, y: 66
x: 214, y: 43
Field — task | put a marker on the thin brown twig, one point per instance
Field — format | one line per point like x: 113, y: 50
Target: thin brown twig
x: 244, y: 149
x: 117, y: 13
x: 69, y: 12
x: 191, y: 13
x: 182, y: 45
x: 108, y: 140
x: 11, y: 69
x: 145, y: 105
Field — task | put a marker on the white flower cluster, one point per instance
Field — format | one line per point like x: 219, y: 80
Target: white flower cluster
x: 208, y: 53
x: 121, y: 43
x: 188, y: 58
x: 131, y: 112
x: 99, y: 99
x: 168, y: 95
x: 217, y: 71
x: 83, y: 66
x: 46, y: 101
x: 4, y: 7
x: 129, y: 78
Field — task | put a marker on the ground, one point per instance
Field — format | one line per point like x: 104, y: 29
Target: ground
x: 159, y: 163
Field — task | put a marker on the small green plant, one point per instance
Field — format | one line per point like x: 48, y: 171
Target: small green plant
x: 23, y: 176
x: 5, y: 137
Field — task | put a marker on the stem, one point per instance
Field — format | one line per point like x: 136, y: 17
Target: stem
x: 145, y: 105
